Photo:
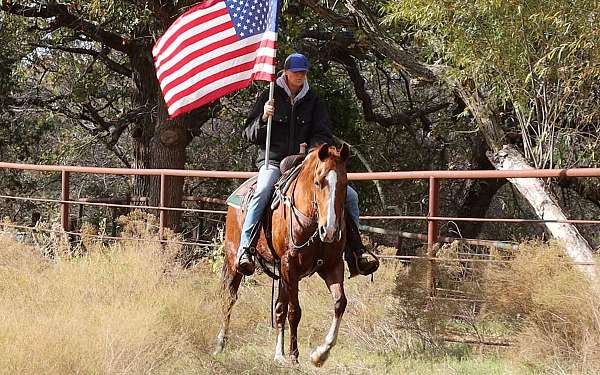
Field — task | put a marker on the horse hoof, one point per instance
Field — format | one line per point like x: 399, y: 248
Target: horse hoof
x: 280, y: 359
x: 218, y: 349
x: 318, y: 357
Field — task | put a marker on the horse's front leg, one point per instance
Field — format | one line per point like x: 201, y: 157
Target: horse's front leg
x: 335, y: 284
x: 281, y: 311
x: 294, y: 315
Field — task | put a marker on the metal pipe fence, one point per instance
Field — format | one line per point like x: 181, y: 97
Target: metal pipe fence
x: 433, y: 177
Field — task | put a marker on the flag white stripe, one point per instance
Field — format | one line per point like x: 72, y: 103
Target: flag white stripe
x: 206, y: 90
x: 242, y: 76
x: 269, y: 35
x: 201, y: 44
x: 268, y: 68
x: 215, y: 69
x: 266, y: 51
x: 173, y: 29
x: 264, y: 67
x: 194, y: 31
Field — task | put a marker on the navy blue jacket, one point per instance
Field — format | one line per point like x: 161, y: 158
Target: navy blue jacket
x: 304, y: 122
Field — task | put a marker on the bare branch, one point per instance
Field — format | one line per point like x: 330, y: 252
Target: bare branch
x: 60, y: 15
x: 100, y: 55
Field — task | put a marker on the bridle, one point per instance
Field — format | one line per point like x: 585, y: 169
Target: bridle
x: 288, y: 200
x: 313, y: 216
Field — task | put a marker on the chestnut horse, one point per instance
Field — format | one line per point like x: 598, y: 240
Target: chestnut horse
x: 307, y: 235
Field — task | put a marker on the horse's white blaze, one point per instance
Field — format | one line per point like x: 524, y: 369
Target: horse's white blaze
x: 331, y: 227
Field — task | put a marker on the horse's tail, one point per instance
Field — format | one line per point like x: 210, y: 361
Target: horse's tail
x: 230, y: 282
x: 226, y: 277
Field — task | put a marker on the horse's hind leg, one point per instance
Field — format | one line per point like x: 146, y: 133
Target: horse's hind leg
x: 230, y: 283
x: 335, y: 283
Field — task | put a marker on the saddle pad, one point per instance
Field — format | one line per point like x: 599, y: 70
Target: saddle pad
x: 236, y: 199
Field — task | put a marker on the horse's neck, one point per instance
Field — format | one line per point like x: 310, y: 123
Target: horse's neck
x: 302, y: 194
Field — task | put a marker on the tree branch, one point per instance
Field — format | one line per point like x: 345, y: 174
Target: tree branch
x: 61, y: 16
x: 403, y: 118
x: 376, y: 41
x: 328, y: 14
x: 101, y: 55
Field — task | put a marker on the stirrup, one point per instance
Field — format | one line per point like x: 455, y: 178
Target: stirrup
x: 245, y: 263
x: 366, y: 263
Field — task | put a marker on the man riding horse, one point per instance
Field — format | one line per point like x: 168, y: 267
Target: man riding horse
x: 298, y: 117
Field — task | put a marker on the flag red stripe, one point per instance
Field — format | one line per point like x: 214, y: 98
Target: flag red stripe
x: 262, y: 59
x: 208, y: 80
x: 263, y: 76
x: 214, y: 95
x: 202, y: 58
x: 179, y: 29
x: 202, y: 51
x: 191, y: 40
x: 208, y: 64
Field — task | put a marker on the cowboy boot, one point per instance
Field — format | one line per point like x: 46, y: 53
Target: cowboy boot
x: 360, y: 260
x: 244, y: 263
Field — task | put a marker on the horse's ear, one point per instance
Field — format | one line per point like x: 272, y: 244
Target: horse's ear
x: 323, y: 152
x: 345, y: 152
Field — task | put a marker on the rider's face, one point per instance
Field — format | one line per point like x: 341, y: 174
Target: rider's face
x: 295, y: 80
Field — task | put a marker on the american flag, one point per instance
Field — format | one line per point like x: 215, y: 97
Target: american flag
x: 216, y: 47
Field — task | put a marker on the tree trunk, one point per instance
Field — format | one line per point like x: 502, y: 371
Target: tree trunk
x: 168, y: 148
x: 158, y: 141
x: 144, y: 96
x: 546, y: 207
x: 505, y: 157
x: 480, y: 193
x: 479, y: 197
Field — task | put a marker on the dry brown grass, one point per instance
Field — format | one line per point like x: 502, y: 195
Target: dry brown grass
x: 129, y: 308
x: 552, y: 306
x: 113, y: 311
x: 538, y: 301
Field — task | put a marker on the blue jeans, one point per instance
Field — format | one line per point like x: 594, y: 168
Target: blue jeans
x: 265, y: 185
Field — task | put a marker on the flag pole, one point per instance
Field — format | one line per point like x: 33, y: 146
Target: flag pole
x: 269, y: 121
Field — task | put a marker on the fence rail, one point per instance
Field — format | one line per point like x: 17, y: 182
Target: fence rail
x: 432, y: 218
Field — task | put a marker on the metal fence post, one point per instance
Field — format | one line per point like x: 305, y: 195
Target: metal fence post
x: 64, y: 206
x: 432, y: 232
x: 161, y: 206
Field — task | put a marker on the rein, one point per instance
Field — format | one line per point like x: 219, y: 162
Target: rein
x: 312, y: 219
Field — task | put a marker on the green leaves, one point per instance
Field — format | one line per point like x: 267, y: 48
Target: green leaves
x: 541, y: 58
x: 498, y: 41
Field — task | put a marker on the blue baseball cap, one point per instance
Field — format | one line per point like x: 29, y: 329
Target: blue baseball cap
x: 296, y: 62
